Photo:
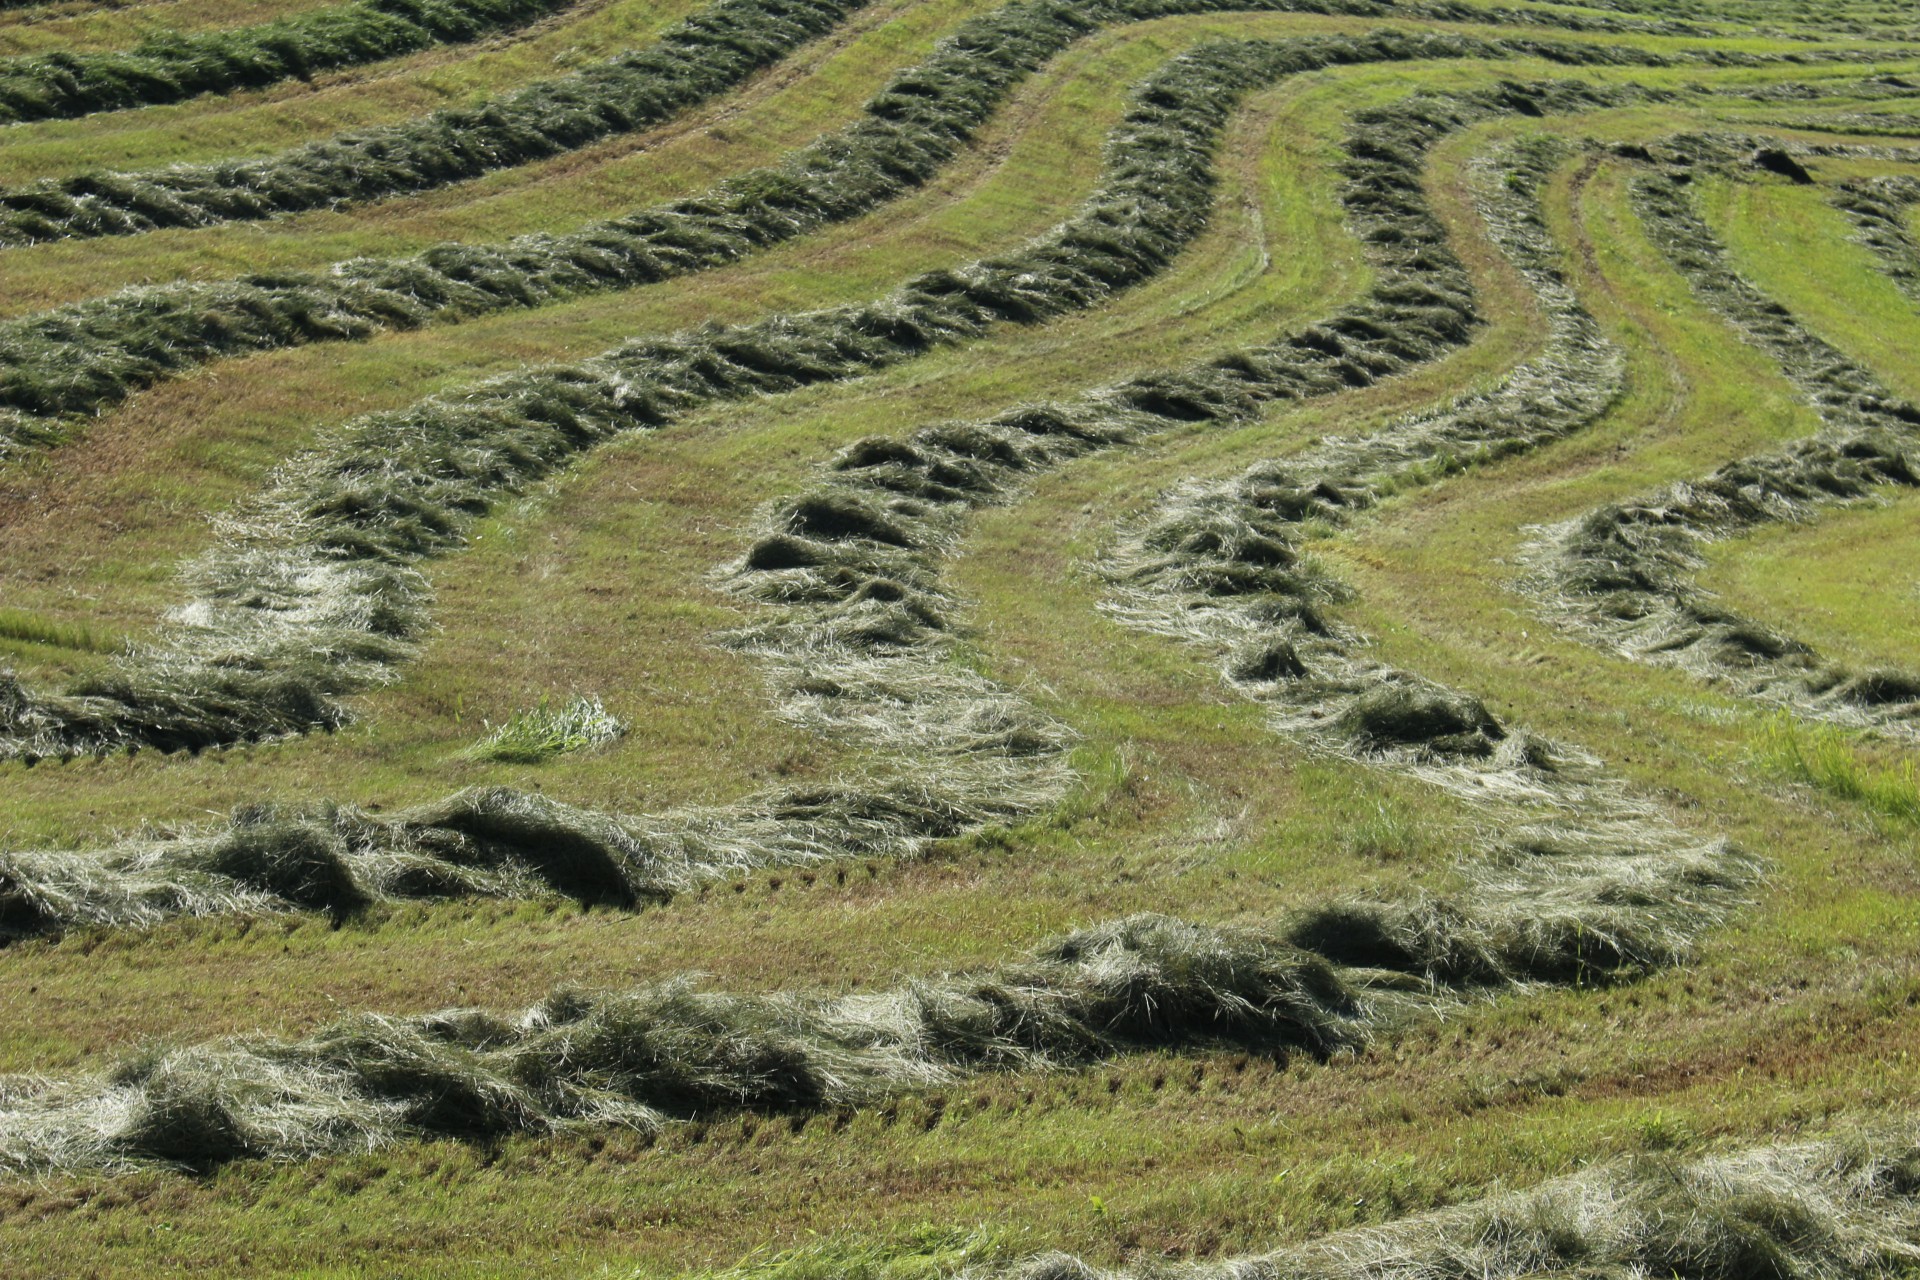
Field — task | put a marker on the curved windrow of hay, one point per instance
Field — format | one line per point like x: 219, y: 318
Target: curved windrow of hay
x: 860, y: 650
x: 706, y: 54
x: 862, y: 637
x: 642, y: 1057
x: 1844, y: 1207
x: 710, y: 51
x: 79, y: 359
x: 317, y: 588
x: 174, y: 67
x: 997, y: 762
x: 852, y: 566
x: 1624, y: 573
x: 1882, y: 209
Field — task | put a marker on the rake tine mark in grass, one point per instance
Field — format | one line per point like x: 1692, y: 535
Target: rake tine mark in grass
x: 1848, y: 1207
x: 1881, y: 208
x: 1623, y: 574
x: 642, y: 1058
x: 711, y: 51
x: 173, y: 67
x: 76, y: 360
x: 317, y: 585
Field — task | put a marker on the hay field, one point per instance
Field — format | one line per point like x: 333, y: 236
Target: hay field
x: 805, y: 638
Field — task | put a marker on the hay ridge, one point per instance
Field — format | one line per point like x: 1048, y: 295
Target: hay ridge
x: 704, y: 54
x: 172, y: 67
x: 314, y: 591
x: 644, y: 1057
x: 1622, y: 575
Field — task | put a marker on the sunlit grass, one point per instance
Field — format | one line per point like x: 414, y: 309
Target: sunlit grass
x: 1826, y: 758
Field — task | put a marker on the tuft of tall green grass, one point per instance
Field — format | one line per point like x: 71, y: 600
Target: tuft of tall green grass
x: 545, y: 731
x: 1824, y: 757
x: 31, y: 628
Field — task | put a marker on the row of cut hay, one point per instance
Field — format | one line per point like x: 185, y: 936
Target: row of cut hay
x: 707, y: 53
x: 642, y: 1057
x: 172, y: 66
x: 703, y: 55
x: 497, y: 842
x: 79, y: 359
x: 1623, y: 574
x: 1846, y: 1208
x: 859, y: 552
x: 985, y: 757
x: 1584, y: 879
x: 317, y: 592
x: 1881, y: 209
x: 861, y: 642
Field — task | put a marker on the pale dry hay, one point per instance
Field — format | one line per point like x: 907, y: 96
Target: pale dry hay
x: 1840, y: 1209
x: 644, y: 1056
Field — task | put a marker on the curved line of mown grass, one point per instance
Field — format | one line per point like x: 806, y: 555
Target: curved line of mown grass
x: 860, y: 547
x: 712, y: 51
x: 368, y: 507
x: 1624, y: 573
x: 681, y: 756
x: 1842, y: 1206
x: 1882, y: 211
x: 89, y: 28
x: 183, y: 1089
x: 84, y: 357
x: 122, y: 203
x: 87, y: 355
x: 174, y: 67
x: 1281, y: 50
x: 255, y: 123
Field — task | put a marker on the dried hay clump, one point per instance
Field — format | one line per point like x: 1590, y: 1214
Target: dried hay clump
x: 1846, y: 1207
x: 672, y: 1050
